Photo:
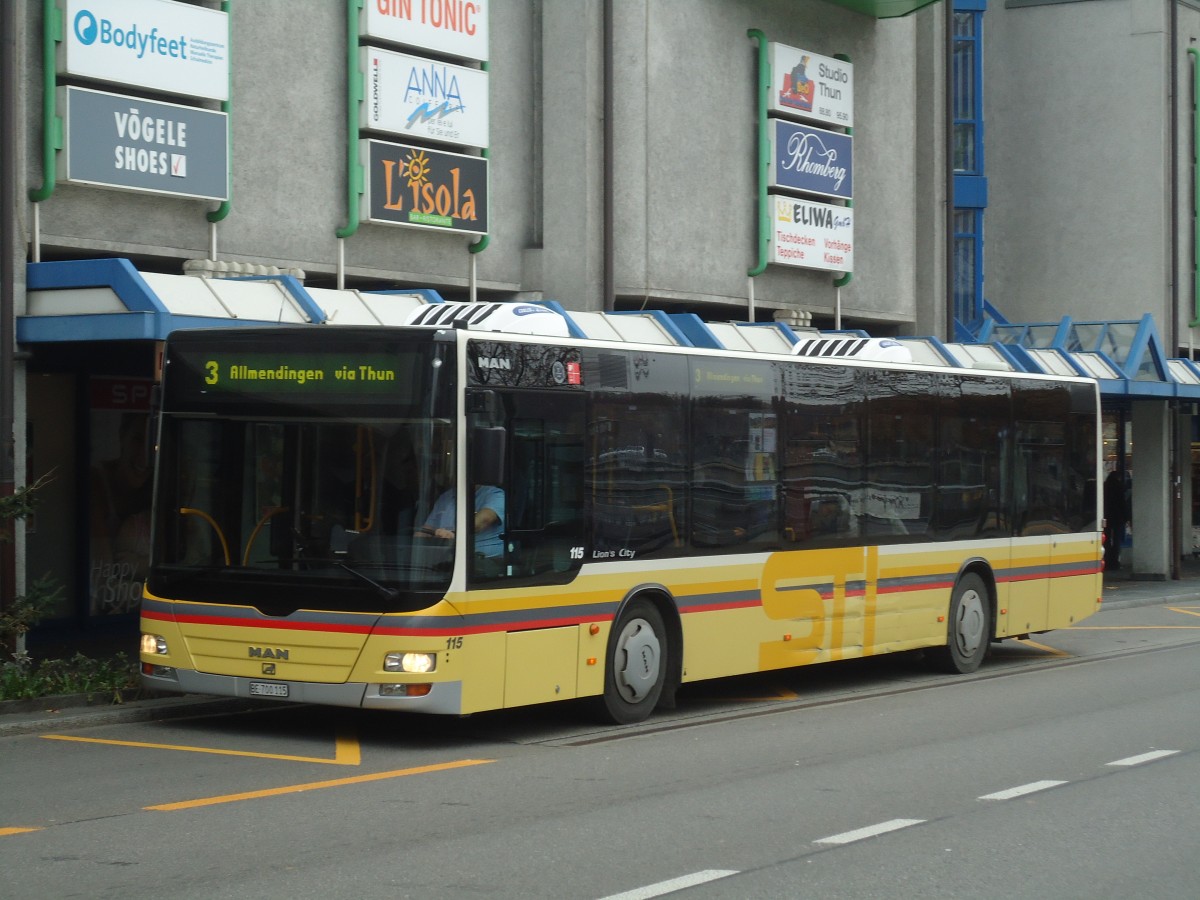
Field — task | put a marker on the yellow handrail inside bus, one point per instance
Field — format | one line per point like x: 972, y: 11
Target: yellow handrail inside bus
x: 270, y: 513
x: 189, y: 511
x: 365, y: 523
x: 668, y: 508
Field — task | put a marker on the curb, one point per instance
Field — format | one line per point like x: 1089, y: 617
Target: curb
x: 1127, y: 594
x: 81, y: 715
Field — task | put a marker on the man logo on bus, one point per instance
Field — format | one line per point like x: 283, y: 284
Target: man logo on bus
x: 492, y: 362
x: 267, y: 653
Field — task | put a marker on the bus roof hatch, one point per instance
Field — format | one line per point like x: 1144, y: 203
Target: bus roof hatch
x: 879, y: 349
x: 511, y: 318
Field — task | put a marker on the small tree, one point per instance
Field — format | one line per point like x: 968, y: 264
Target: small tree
x: 24, y: 611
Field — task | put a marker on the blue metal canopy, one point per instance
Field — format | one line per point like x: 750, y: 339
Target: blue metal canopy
x: 110, y: 300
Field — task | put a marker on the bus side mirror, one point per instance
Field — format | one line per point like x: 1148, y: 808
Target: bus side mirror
x: 489, y: 446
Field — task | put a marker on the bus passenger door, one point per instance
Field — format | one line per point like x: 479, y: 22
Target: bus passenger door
x: 1039, y: 472
x: 543, y: 522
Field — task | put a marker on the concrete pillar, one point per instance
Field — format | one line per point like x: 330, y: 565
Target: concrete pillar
x: 1151, y: 490
x: 1183, y: 467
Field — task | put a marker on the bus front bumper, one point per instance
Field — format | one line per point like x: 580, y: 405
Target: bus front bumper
x: 442, y: 698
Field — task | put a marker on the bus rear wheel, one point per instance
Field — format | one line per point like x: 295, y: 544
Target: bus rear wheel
x: 635, y: 664
x: 967, y: 632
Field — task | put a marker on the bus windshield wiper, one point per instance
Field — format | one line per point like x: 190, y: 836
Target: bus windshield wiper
x: 391, y: 595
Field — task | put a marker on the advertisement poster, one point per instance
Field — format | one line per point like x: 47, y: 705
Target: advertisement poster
x: 453, y: 27
x: 135, y: 144
x: 425, y: 188
x: 811, y: 160
x: 808, y: 85
x: 163, y: 45
x: 119, y: 489
x: 812, y: 235
x: 424, y: 99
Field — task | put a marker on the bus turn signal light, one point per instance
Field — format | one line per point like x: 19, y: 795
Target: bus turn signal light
x: 404, y: 690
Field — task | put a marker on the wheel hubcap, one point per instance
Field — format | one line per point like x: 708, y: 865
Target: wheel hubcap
x: 638, y: 653
x: 970, y: 624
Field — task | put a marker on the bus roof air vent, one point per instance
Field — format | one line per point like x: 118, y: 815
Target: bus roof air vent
x: 879, y: 349
x: 511, y: 318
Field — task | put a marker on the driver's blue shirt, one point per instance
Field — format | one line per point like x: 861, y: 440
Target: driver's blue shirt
x: 488, y: 541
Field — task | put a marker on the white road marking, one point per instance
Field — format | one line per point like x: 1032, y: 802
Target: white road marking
x: 1144, y: 758
x: 1021, y: 791
x: 849, y: 837
x: 673, y: 884
x: 859, y: 834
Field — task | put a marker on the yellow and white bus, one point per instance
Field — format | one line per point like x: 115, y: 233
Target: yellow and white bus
x: 623, y: 518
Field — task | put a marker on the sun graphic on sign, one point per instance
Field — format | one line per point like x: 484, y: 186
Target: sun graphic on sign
x: 416, y: 168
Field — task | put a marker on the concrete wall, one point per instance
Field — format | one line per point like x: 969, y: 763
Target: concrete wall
x: 1077, y: 155
x: 684, y: 166
x: 1186, y: 99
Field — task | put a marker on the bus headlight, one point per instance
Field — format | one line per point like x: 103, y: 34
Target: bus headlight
x: 154, y: 644
x: 412, y: 663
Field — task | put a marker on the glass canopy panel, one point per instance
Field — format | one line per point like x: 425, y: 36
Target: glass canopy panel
x: 1096, y: 365
x: 980, y: 356
x: 924, y: 352
x: 641, y: 330
x: 1182, y: 372
x: 1052, y: 362
x: 765, y: 339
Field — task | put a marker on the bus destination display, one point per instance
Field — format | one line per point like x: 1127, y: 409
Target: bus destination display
x: 273, y: 373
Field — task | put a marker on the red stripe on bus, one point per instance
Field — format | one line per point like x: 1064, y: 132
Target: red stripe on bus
x: 258, y: 623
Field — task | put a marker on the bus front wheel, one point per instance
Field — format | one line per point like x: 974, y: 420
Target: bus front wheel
x: 636, y: 664
x: 967, y: 633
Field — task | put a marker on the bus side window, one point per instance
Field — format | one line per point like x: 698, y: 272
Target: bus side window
x: 822, y: 456
x: 636, y: 476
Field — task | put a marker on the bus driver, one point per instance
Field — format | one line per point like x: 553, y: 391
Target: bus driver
x: 489, y: 519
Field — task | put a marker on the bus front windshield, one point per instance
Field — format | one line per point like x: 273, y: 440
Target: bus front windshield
x: 286, y: 513
x: 284, y: 500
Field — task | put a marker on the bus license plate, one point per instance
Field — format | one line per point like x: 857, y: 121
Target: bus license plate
x: 263, y: 689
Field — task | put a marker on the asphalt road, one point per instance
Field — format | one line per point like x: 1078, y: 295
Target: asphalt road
x: 1067, y: 767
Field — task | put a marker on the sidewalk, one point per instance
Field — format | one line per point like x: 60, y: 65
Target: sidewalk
x: 1124, y: 588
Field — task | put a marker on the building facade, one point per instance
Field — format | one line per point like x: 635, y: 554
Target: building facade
x: 1091, y: 141
x: 604, y: 154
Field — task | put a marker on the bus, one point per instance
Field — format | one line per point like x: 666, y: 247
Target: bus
x: 619, y: 519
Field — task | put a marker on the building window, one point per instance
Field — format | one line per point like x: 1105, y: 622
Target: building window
x: 968, y: 102
x: 968, y: 264
x: 970, y: 183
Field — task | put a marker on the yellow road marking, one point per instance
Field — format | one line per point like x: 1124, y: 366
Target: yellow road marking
x: 1054, y: 650
x: 346, y: 752
x: 1186, y: 610
x: 5, y: 832
x: 780, y: 694
x: 316, y: 785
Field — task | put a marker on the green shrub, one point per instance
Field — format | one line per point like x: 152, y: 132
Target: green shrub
x: 25, y: 678
x: 19, y: 614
